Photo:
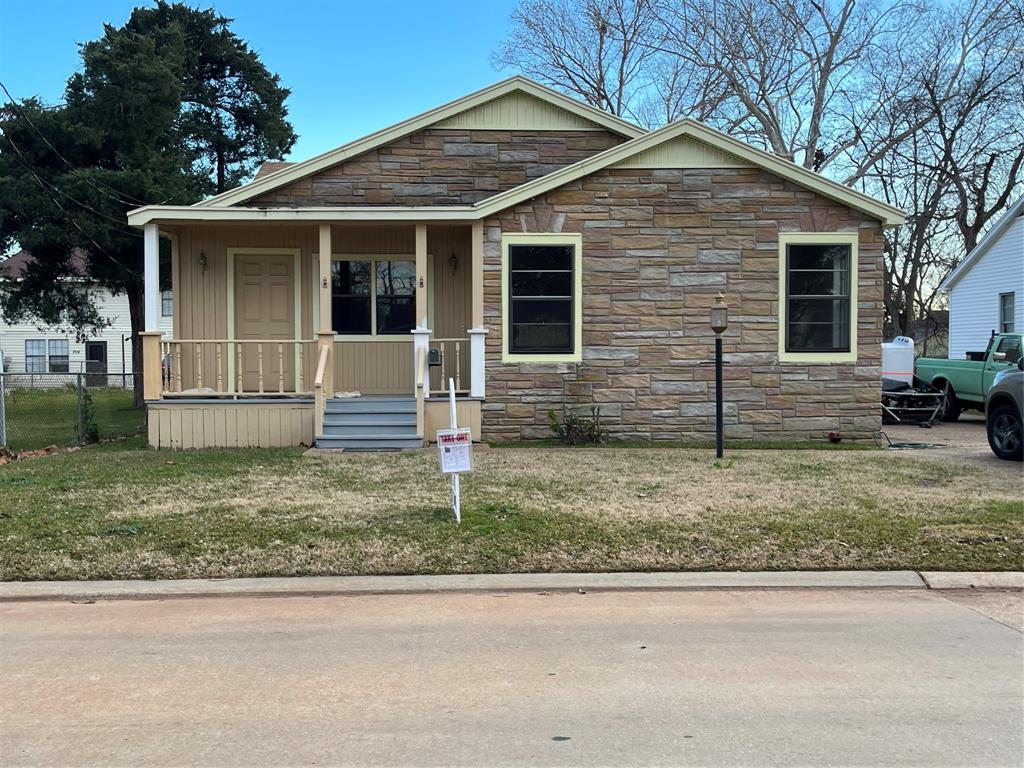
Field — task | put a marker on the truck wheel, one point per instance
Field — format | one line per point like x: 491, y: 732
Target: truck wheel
x: 950, y: 408
x: 1005, y: 434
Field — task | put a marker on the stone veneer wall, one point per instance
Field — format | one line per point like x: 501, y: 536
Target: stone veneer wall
x: 658, y: 246
x: 442, y: 167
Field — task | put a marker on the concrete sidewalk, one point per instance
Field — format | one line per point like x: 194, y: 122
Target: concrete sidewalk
x: 513, y: 582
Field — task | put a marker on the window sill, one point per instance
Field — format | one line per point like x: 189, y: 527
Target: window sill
x: 509, y: 357
x: 817, y: 357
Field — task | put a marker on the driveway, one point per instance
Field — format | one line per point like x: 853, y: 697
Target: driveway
x: 786, y: 677
x: 965, y: 440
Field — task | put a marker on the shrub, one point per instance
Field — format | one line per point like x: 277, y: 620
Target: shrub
x: 575, y: 429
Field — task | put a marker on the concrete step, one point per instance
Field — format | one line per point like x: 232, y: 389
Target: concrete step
x: 368, y: 442
x: 344, y: 429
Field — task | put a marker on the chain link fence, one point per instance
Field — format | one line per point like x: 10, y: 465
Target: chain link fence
x: 42, y: 409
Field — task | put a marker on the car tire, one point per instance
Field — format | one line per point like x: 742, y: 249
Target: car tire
x: 950, y: 408
x: 1005, y: 433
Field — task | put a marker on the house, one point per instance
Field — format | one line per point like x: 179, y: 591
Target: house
x: 986, y: 291
x: 539, y: 252
x: 28, y: 347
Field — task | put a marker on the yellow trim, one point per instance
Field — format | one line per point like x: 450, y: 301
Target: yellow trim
x: 544, y: 238
x: 818, y: 238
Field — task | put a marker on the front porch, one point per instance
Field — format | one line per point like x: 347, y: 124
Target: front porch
x: 275, y: 321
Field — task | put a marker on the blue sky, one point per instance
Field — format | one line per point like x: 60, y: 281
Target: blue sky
x: 353, y: 67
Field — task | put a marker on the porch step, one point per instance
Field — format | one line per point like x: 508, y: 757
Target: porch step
x: 370, y: 423
x: 371, y: 405
x: 369, y: 442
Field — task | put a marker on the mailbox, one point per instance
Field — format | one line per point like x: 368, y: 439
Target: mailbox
x: 434, y: 356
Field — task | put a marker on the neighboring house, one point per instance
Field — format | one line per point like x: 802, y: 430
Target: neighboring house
x: 545, y: 255
x: 28, y: 347
x: 986, y: 292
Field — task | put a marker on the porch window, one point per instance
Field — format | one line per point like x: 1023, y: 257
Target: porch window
x: 35, y: 356
x: 818, y: 298
x: 542, y: 311
x: 373, y: 297
x: 58, y: 349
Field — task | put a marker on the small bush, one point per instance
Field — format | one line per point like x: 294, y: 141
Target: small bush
x: 575, y: 429
x: 88, y: 430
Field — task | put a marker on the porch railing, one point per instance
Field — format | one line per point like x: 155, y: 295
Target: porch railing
x: 240, y: 367
x: 453, y: 361
x: 422, y: 390
x: 319, y: 399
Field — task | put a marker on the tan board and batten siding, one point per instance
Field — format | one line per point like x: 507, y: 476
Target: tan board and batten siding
x: 230, y: 425
x: 519, y: 111
x: 371, y: 367
x: 683, y: 152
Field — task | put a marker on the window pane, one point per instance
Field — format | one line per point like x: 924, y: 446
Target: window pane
x: 545, y: 338
x: 818, y: 337
x: 35, y: 356
x: 819, y: 257
x: 819, y: 283
x: 350, y: 278
x: 396, y: 314
x: 59, y: 347
x: 1010, y: 346
x: 541, y: 283
x: 351, y: 314
x: 396, y: 278
x: 166, y: 303
x: 818, y: 310
x: 541, y: 311
x: 540, y: 257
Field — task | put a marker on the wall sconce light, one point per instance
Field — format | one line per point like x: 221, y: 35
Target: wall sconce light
x: 202, y: 262
x: 453, y: 262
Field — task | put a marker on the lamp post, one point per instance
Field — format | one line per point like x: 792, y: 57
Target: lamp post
x: 719, y: 322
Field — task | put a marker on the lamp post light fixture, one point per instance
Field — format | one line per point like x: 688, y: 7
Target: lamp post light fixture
x: 719, y: 322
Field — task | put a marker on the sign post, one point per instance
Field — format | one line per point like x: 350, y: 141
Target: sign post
x: 456, y: 448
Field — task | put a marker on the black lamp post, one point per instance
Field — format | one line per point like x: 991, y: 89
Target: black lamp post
x: 719, y: 322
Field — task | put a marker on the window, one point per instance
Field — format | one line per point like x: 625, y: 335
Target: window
x: 58, y: 349
x: 373, y: 297
x: 818, y: 305
x: 166, y: 303
x: 1006, y: 312
x: 1010, y: 346
x: 542, y: 306
x: 35, y: 356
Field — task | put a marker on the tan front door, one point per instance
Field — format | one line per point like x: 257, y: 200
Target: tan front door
x: 265, y: 311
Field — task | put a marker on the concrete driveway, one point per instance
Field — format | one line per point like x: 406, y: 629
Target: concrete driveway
x: 963, y: 440
x: 794, y: 677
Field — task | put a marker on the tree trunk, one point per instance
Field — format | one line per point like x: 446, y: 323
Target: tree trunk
x: 221, y: 171
x: 137, y: 312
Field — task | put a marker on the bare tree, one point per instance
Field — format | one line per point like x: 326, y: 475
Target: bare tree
x: 916, y: 101
x: 594, y: 49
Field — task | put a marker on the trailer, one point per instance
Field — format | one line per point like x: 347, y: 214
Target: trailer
x: 913, y: 402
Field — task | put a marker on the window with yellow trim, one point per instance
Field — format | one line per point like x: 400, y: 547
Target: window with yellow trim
x: 818, y: 278
x: 541, y: 298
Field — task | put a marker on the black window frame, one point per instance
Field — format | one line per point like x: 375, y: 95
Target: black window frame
x: 1007, y: 300
x: 61, y: 361
x: 35, y: 358
x: 166, y: 303
x: 571, y: 299
x: 372, y: 297
x: 848, y: 297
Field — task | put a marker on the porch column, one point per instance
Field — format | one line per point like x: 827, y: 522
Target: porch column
x: 421, y: 275
x: 325, y: 320
x: 151, y: 271
x: 477, y: 347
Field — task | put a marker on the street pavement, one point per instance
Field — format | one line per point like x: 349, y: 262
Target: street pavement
x: 788, y: 677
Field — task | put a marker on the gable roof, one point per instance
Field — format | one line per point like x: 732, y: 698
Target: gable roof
x: 446, y: 114
x: 685, y: 143
x: 990, y: 239
x: 786, y: 169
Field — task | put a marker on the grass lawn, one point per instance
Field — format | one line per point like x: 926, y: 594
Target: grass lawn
x: 37, y: 418
x: 118, y: 511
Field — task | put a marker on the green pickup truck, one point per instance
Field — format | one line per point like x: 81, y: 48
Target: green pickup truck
x: 966, y: 382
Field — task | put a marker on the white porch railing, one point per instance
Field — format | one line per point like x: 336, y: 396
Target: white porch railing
x: 451, y: 364
x: 238, y: 367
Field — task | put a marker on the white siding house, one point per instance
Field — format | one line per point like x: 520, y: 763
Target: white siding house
x: 986, y: 292
x: 28, y: 347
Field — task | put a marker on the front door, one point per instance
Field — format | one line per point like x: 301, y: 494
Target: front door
x: 265, y: 311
